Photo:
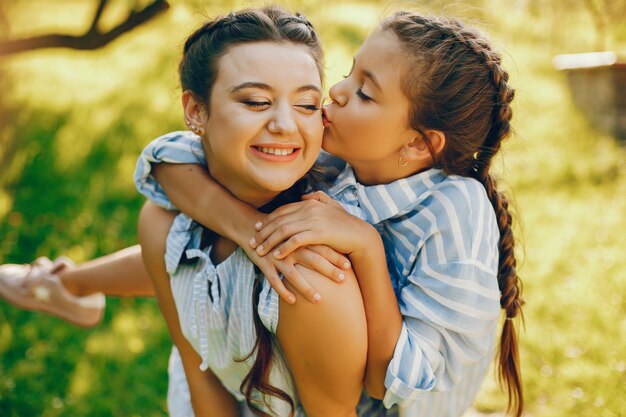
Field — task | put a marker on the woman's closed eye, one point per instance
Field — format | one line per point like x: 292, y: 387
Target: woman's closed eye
x: 309, y: 107
x: 256, y: 103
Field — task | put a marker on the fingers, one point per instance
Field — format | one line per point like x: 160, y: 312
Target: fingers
x: 320, y: 196
x: 301, y: 284
x: 296, y: 241
x: 277, y: 284
x: 275, y: 233
x: 315, y: 261
x: 338, y: 259
x: 279, y: 212
x: 267, y: 267
x: 323, y: 198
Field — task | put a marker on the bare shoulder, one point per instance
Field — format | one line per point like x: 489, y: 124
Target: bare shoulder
x: 153, y: 228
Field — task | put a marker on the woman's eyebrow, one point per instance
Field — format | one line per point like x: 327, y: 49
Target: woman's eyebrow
x: 251, y: 84
x: 267, y: 87
x: 309, y: 87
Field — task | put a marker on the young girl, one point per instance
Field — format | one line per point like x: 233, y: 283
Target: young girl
x: 439, y: 233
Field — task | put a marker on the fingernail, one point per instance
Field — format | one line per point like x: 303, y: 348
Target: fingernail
x: 346, y: 265
x: 258, y: 225
x: 342, y: 277
x: 259, y: 249
x: 276, y: 253
x: 317, y: 297
x: 252, y: 241
x: 292, y: 299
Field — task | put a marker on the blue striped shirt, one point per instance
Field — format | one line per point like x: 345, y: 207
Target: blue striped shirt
x: 441, y: 241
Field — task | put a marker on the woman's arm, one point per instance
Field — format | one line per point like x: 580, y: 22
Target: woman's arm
x: 208, y: 397
x: 314, y: 222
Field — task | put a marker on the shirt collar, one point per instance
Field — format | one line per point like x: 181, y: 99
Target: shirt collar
x: 384, y: 201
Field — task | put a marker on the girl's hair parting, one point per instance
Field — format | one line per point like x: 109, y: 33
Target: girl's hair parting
x: 457, y: 85
x: 198, y: 71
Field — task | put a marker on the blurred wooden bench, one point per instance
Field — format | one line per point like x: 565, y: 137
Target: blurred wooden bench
x: 598, y: 84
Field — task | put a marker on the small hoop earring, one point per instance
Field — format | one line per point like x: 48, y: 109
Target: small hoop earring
x: 402, y: 162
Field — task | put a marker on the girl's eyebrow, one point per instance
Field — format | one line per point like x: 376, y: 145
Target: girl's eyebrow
x: 366, y: 74
x: 372, y: 78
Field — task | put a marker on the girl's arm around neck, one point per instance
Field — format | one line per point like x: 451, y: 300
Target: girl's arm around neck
x: 196, y: 194
x: 384, y: 320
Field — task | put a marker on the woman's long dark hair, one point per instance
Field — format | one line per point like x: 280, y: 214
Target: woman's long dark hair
x: 198, y: 71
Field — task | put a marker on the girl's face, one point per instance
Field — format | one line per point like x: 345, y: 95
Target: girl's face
x: 264, y: 127
x: 367, y: 119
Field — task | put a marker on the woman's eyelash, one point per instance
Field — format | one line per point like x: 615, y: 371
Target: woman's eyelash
x: 362, y: 95
x: 311, y: 107
x: 256, y: 103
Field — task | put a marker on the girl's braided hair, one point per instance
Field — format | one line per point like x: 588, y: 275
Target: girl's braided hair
x: 457, y: 85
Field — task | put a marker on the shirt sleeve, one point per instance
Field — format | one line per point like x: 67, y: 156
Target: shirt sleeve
x: 173, y: 148
x: 450, y: 301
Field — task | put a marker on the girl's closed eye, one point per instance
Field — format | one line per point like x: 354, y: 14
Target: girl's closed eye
x: 362, y: 95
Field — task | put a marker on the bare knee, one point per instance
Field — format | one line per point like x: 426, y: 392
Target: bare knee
x: 325, y: 345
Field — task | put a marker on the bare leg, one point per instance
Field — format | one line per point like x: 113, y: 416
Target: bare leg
x: 325, y: 346
x: 120, y: 274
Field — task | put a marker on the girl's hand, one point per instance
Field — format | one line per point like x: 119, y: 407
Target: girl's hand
x: 307, y: 223
x: 319, y: 258
x: 322, y: 197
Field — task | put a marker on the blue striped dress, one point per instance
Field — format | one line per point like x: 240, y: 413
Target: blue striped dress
x: 441, y: 240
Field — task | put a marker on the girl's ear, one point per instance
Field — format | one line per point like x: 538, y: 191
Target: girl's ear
x: 420, y: 148
x: 195, y: 112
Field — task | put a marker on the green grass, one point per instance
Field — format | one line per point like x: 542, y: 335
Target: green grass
x: 72, y: 124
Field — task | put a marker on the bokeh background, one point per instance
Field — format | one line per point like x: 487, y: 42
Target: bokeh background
x: 73, y: 122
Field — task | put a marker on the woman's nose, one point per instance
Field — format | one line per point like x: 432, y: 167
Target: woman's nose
x: 283, y: 121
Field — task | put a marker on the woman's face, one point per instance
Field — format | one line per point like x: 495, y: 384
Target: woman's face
x: 264, y: 128
x: 367, y: 119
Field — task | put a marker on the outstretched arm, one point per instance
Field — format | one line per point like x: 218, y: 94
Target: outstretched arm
x: 208, y: 397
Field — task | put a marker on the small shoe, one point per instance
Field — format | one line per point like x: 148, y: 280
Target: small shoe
x: 36, y: 287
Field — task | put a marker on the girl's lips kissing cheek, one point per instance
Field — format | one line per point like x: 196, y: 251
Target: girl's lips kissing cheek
x: 325, y: 120
x: 276, y: 153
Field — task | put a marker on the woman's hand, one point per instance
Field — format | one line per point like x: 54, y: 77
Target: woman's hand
x: 316, y: 220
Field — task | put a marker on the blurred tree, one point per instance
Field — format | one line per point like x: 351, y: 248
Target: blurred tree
x: 606, y: 15
x: 93, y: 38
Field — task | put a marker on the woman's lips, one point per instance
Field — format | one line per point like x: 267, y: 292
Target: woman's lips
x: 275, y: 153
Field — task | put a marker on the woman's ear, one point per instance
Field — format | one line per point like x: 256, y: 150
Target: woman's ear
x: 195, y: 113
x: 425, y: 147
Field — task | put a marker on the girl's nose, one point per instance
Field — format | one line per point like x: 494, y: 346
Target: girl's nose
x: 338, y: 95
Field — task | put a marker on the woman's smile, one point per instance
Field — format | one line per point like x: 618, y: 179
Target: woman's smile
x: 275, y: 152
